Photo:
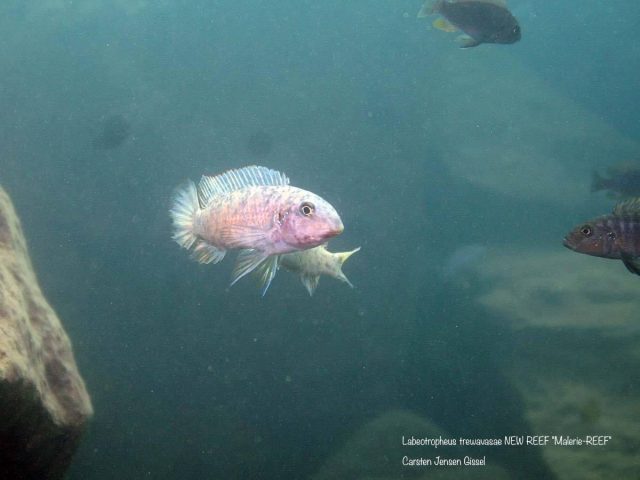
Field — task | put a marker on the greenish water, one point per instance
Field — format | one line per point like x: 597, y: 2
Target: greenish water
x: 423, y: 149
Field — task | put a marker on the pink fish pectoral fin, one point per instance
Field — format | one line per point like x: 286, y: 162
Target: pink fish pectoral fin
x: 250, y: 260
x: 239, y: 236
x: 266, y: 271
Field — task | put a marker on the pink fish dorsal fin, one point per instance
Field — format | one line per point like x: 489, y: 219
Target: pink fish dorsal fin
x: 252, y: 176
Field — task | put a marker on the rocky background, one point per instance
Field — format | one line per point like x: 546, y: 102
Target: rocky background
x: 423, y: 148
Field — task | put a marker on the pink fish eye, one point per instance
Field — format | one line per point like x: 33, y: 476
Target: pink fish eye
x: 586, y: 231
x: 307, y: 209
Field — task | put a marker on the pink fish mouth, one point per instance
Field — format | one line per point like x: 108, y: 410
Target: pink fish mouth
x: 337, y: 230
x: 329, y: 235
x: 320, y: 236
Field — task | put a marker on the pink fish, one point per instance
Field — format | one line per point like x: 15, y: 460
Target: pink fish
x: 254, y: 210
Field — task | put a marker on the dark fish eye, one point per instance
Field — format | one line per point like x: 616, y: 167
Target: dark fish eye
x: 611, y: 235
x: 586, y: 231
x: 307, y: 209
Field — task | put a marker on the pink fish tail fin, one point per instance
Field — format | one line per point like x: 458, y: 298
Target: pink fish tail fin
x: 183, y: 212
x: 430, y: 7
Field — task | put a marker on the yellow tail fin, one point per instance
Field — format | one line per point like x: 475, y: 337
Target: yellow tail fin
x: 343, y: 256
x: 444, y: 25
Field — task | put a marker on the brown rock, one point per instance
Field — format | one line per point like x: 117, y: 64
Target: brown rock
x: 44, y: 405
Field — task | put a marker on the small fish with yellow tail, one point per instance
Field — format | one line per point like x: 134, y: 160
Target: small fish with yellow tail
x: 615, y: 236
x: 254, y: 210
x: 482, y: 21
x: 312, y: 263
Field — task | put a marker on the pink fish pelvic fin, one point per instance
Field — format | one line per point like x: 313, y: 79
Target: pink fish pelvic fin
x: 249, y: 260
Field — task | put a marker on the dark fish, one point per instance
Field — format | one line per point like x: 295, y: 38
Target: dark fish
x: 483, y: 21
x: 615, y: 236
x: 115, y: 130
x: 621, y: 181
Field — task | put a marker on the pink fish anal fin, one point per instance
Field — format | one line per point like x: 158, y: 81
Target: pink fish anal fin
x: 250, y: 260
x: 205, y: 253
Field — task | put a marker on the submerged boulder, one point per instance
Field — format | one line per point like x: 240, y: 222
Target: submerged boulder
x: 44, y: 405
x: 515, y: 134
x: 558, y: 289
x: 575, y: 340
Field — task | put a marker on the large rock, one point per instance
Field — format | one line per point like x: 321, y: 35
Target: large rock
x: 44, y: 405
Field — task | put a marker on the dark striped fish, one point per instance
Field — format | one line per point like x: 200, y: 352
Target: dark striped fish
x: 615, y: 236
